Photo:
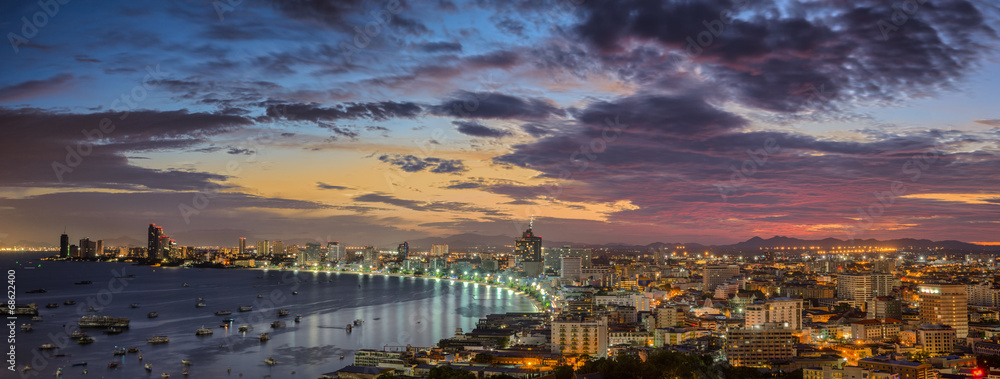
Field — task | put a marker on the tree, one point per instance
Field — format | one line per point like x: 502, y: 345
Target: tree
x: 482, y: 358
x: 445, y: 372
x: 563, y: 372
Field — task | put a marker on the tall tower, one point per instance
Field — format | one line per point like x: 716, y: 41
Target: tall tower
x: 243, y: 245
x: 528, y: 250
x: 64, y: 246
x: 945, y: 304
x: 155, y: 245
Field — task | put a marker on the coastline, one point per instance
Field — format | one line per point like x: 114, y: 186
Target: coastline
x: 539, y: 307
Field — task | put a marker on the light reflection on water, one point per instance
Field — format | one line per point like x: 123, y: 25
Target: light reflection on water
x: 410, y: 311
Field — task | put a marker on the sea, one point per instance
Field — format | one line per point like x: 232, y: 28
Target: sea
x: 393, y: 312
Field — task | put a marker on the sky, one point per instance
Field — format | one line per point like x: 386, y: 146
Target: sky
x: 375, y: 122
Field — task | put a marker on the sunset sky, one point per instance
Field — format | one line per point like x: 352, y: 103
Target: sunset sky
x: 375, y: 122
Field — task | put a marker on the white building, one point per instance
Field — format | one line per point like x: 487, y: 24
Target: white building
x: 571, y: 268
x: 580, y: 337
x: 781, y: 310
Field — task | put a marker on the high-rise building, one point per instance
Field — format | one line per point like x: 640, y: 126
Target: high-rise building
x: 155, y: 246
x: 243, y: 245
x: 936, y: 339
x: 667, y: 317
x: 945, y: 304
x: 781, y: 310
x: 278, y: 249
x: 528, y: 250
x: 369, y: 257
x: 858, y: 289
x: 88, y: 249
x: 716, y: 275
x: 439, y: 250
x: 884, y: 307
x: 571, y: 268
x: 312, y: 255
x: 64, y: 246
x: 100, y: 248
x: 553, y: 255
x: 263, y: 248
x: 885, y: 266
x: 758, y: 346
x: 580, y: 336
x: 403, y: 251
x: 333, y: 252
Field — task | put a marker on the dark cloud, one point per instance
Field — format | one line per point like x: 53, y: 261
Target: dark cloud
x: 325, y: 186
x: 476, y: 129
x: 463, y: 186
x: 34, y: 88
x: 429, y: 206
x: 379, y: 111
x: 671, y: 115
x: 412, y: 163
x: 535, y: 130
x: 441, y: 47
x: 495, y: 106
x: 496, y: 59
x: 239, y: 151
x: 512, y: 26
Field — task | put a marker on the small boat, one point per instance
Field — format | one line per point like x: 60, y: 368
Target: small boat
x: 164, y: 375
x: 158, y: 339
x: 278, y: 324
x: 79, y: 364
x: 245, y: 308
x: 77, y: 334
x: 184, y: 285
x: 140, y: 356
x: 153, y: 315
x: 85, y: 340
x: 185, y: 372
x: 341, y: 356
x: 358, y: 322
x: 119, y: 352
x: 114, y: 331
x: 223, y: 313
x: 260, y: 296
x: 200, y: 305
x: 27, y: 327
x: 40, y: 290
x: 200, y: 299
x: 203, y: 331
x: 134, y: 305
x: 59, y: 372
x: 264, y: 337
x: 295, y: 292
x: 245, y: 328
x: 148, y: 367
x: 26, y: 368
x: 69, y: 302
x: 271, y: 361
x: 349, y: 327
x: 282, y: 312
x: 185, y: 362
x: 113, y: 365
x: 298, y: 318
x: 36, y: 318
x: 91, y: 309
x: 133, y: 349
x: 52, y: 305
x: 83, y: 282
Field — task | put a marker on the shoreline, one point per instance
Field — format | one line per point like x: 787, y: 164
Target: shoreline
x: 539, y: 307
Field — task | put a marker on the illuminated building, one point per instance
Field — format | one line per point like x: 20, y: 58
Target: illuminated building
x: 758, y: 346
x: 716, y: 275
x: 528, y: 250
x: 580, y: 336
x: 64, y: 246
x: 945, y: 304
x: 785, y: 311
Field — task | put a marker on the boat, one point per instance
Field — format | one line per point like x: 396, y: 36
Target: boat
x: 295, y: 292
x: 40, y: 290
x: 260, y: 296
x: 245, y: 328
x: 264, y: 337
x: 153, y: 315
x: 48, y: 346
x: 228, y: 320
x: 52, y: 305
x: 223, y: 313
x: 26, y: 327
x: 185, y: 362
x: 83, y: 282
x: 77, y: 334
x: 200, y: 299
x: 200, y: 305
x: 69, y: 302
x: 148, y: 367
x: 203, y: 331
x: 349, y: 327
x: 133, y: 349
x: 119, y: 352
x: 129, y: 276
x: 358, y: 322
x: 298, y: 318
x: 185, y: 372
x: 271, y: 361
x: 79, y: 364
x: 85, y: 340
x: 36, y: 318
x: 26, y: 368
x: 282, y: 312
x: 113, y: 331
x: 278, y: 324
x: 91, y: 309
x: 158, y: 339
x: 184, y: 285
x: 245, y: 308
x: 342, y: 356
x: 113, y: 365
x: 134, y: 305
x: 164, y: 375
x: 95, y: 321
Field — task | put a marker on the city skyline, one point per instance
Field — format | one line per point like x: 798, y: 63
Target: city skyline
x: 709, y: 122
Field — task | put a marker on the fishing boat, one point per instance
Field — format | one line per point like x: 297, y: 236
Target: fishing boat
x: 223, y: 313
x: 278, y: 324
x: 158, y: 339
x: 119, y: 352
x: 260, y: 296
x: 203, y: 331
x: 282, y: 312
x: 26, y: 368
x: 245, y: 308
x: 349, y: 327
x: 164, y: 375
x: 185, y: 372
x: 52, y: 305
x: 271, y: 361
x: 133, y: 349
x: 295, y: 292
x: 298, y: 318
x: 134, y: 305
x: 264, y: 337
x: 77, y: 334
x: 228, y: 320
x: 85, y: 340
x: 148, y: 367
x: 185, y: 362
x: 358, y: 322
x: 244, y: 328
x: 153, y: 315
x: 69, y: 302
x: 342, y: 356
x: 200, y: 305
x: 113, y: 331
x: 48, y: 346
x: 36, y: 318
x: 184, y: 285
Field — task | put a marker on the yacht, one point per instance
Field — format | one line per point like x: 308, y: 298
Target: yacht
x: 203, y: 331
x: 185, y: 362
x: 295, y: 292
x: 158, y: 339
x: 200, y: 305
x: 245, y: 308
